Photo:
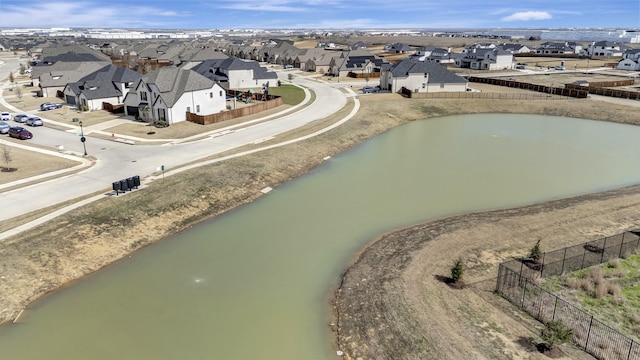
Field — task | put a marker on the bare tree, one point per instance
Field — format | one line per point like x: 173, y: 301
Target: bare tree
x: 6, y: 156
x: 22, y: 69
x: 19, y: 92
x: 12, y: 80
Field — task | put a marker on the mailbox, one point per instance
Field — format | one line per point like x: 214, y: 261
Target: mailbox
x: 124, y: 186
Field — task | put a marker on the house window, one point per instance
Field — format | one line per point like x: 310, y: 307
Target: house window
x: 220, y: 93
x: 143, y: 96
x: 188, y: 108
x: 441, y: 85
x: 162, y: 116
x: 197, y: 109
x: 211, y: 95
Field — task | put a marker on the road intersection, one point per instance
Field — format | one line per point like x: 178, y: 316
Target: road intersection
x: 117, y: 160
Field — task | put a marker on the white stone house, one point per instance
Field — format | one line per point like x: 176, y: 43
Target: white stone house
x: 165, y: 96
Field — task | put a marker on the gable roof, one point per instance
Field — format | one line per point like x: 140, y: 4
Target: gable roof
x: 173, y: 81
x: 437, y: 73
x: 103, y: 82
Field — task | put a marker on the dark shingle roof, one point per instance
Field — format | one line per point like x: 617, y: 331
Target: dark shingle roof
x: 102, y: 83
x: 173, y: 81
x: 437, y: 73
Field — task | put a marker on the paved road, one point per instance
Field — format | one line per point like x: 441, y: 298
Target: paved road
x: 117, y: 160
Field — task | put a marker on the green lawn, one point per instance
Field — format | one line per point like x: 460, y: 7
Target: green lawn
x: 292, y: 95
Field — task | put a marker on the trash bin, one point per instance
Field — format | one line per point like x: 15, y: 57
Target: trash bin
x: 123, y: 185
x: 136, y: 181
x: 130, y: 183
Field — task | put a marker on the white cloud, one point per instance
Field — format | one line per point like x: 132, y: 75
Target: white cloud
x: 527, y: 16
x: 82, y: 14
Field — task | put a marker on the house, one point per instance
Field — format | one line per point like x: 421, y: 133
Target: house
x: 514, y: 48
x: 559, y: 48
x: 166, y: 95
x: 606, y: 48
x: 630, y: 60
x: 109, y: 84
x: 355, y: 61
x: 235, y: 73
x: 319, y: 62
x: 485, y: 59
x: 399, y: 48
x: 60, y: 66
x: 306, y: 58
x: 433, y: 54
x: 420, y: 76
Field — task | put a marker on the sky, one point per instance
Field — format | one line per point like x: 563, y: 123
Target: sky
x: 320, y: 14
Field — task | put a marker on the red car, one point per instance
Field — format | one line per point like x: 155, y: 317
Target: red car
x: 20, y: 133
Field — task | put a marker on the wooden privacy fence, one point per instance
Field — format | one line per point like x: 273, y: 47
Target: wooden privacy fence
x: 596, y: 90
x: 516, y: 283
x: 479, y: 95
x: 575, y: 93
x: 272, y: 102
x: 118, y: 108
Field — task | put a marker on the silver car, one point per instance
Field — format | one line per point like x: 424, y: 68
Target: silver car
x: 4, y: 127
x: 20, y: 118
x: 5, y: 116
x: 34, y: 121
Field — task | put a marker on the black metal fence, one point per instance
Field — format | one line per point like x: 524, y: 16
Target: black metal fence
x: 517, y: 283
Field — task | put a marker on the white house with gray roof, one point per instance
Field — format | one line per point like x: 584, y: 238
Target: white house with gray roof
x: 235, y: 73
x: 485, y: 59
x: 166, y: 95
x: 420, y: 76
x: 109, y: 84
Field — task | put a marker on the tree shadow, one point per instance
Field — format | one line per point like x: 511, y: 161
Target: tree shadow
x: 8, y: 169
x: 449, y: 281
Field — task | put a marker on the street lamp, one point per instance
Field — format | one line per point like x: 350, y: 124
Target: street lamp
x: 83, y: 139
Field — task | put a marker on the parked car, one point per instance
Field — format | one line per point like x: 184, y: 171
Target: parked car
x: 4, y: 127
x: 20, y: 133
x: 34, y: 121
x: 5, y: 116
x: 559, y: 67
x: 288, y: 67
x: 20, y: 118
x: 49, y: 106
x: 370, y: 89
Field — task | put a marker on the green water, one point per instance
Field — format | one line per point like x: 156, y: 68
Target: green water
x: 255, y: 283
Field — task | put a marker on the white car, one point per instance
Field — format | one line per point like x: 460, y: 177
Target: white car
x: 5, y: 116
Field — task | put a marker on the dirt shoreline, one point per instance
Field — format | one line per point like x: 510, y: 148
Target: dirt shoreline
x: 87, y: 239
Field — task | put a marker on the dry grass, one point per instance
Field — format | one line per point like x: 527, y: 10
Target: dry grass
x: 30, y: 163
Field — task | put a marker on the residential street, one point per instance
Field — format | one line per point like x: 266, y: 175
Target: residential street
x: 116, y: 160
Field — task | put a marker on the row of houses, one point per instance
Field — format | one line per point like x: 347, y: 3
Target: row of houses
x: 87, y: 79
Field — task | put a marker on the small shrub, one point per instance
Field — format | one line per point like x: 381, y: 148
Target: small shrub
x: 572, y: 283
x: 536, y: 254
x: 595, y: 275
x: 635, y: 318
x: 614, y: 264
x: 613, y: 289
x: 619, y: 300
x: 457, y: 270
x: 586, y: 285
x: 556, y: 333
x: 600, y: 291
